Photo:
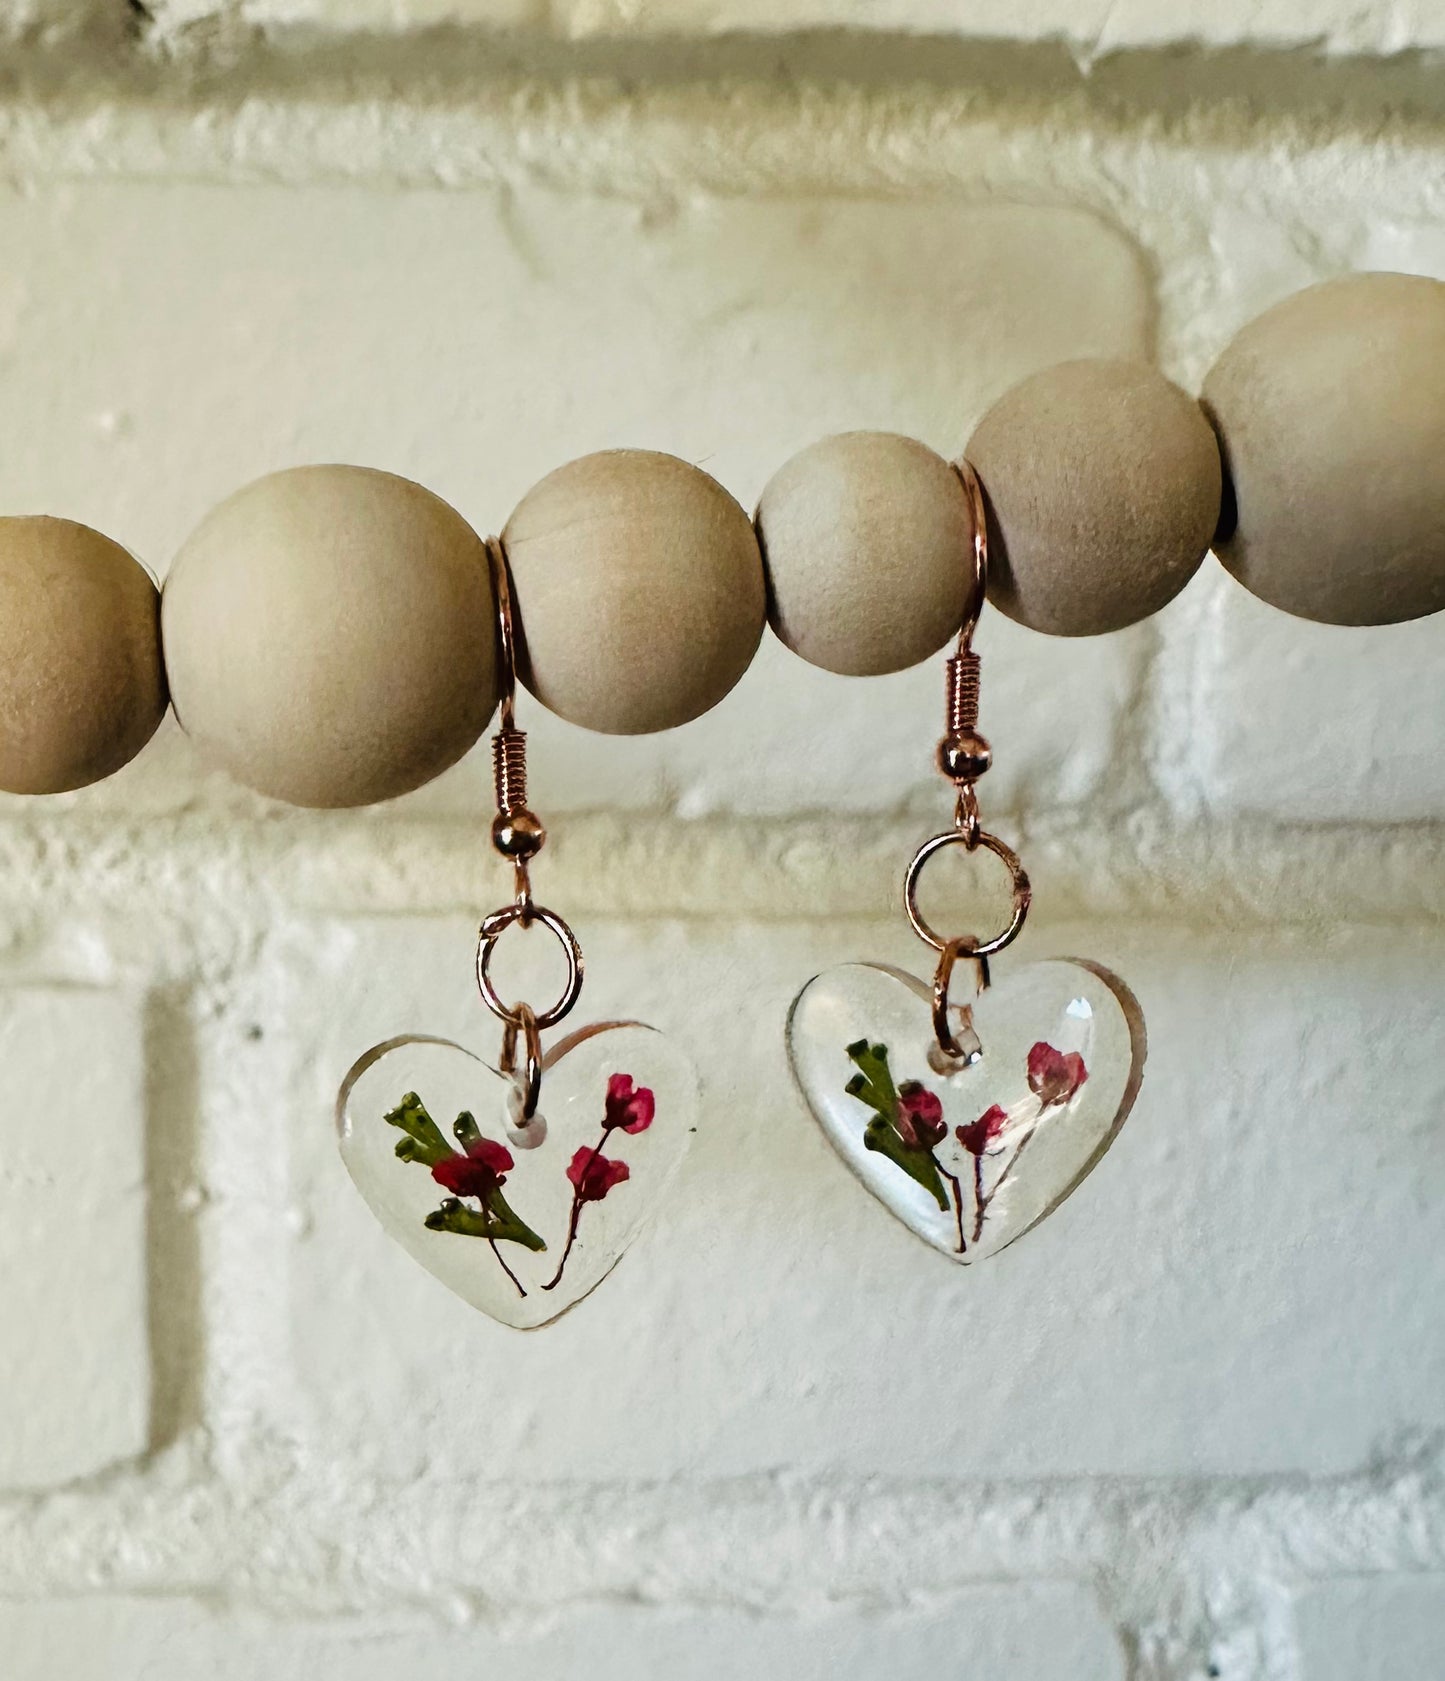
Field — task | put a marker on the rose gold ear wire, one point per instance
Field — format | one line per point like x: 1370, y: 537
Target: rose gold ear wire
x: 518, y: 835
x: 963, y: 756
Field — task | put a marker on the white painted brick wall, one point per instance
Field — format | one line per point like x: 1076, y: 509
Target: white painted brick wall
x: 1193, y: 1426
x: 75, y: 1381
x: 1045, y: 1630
x: 1357, y: 1630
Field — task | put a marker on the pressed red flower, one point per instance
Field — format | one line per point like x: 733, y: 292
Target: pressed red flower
x: 1054, y: 1076
x: 978, y: 1135
x: 920, y: 1116
x: 593, y: 1175
x: 629, y: 1107
x: 476, y: 1174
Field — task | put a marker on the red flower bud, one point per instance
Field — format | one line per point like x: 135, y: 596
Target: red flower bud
x: 977, y: 1136
x: 630, y: 1108
x: 476, y: 1174
x: 1054, y: 1076
x: 594, y: 1175
x: 920, y: 1116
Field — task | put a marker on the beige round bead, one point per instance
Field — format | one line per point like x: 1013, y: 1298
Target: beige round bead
x: 82, y: 688
x: 1102, y: 482
x: 639, y: 591
x: 868, y: 545
x: 330, y: 636
x: 1330, y: 410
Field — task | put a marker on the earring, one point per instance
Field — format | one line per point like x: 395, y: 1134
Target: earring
x: 521, y: 1211
x: 970, y: 1121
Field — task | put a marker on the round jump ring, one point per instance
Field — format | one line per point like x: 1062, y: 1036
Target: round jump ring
x: 964, y: 946
x: 1022, y: 891
x: 493, y: 927
x: 526, y: 1023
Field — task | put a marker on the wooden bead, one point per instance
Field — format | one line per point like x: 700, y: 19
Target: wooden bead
x: 82, y: 688
x: 1330, y: 410
x: 868, y: 546
x: 639, y: 591
x: 1102, y: 483
x: 330, y: 636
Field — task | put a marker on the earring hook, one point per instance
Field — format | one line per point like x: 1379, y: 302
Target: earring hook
x: 978, y: 587
x: 517, y: 832
x: 963, y: 756
x: 501, y: 575
x: 518, y: 835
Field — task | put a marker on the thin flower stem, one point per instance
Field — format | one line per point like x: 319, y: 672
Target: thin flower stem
x: 1008, y: 1168
x: 556, y: 1278
x: 952, y: 1178
x: 501, y: 1262
x: 980, y: 1201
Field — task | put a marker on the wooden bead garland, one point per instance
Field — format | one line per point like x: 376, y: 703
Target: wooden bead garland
x: 82, y: 687
x: 863, y: 536
x: 1102, y: 483
x: 329, y: 636
x: 328, y: 631
x: 639, y: 591
x: 1330, y: 408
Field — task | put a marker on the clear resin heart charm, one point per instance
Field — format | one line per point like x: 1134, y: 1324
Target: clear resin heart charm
x: 521, y: 1219
x: 970, y: 1157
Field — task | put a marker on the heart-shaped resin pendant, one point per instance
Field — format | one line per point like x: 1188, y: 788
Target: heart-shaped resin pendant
x: 522, y: 1207
x: 970, y: 1156
x: 971, y: 1122
x: 521, y: 1219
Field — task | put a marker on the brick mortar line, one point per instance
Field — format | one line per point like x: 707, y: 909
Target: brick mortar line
x: 1142, y: 868
x: 751, y: 134
x: 142, y: 46
x: 324, y: 1544
x: 1154, y: 185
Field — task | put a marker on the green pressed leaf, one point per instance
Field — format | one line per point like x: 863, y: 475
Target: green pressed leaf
x: 508, y: 1227
x: 873, y: 1083
x: 423, y: 1142
x: 916, y: 1162
x: 495, y: 1220
x: 454, y: 1216
x: 465, y: 1128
